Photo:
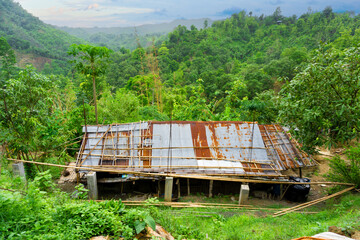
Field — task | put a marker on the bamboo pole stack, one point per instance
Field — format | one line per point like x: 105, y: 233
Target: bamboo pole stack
x: 308, y: 204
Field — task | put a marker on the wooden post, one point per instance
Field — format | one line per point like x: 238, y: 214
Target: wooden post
x: 122, y: 187
x: 188, y: 186
x: 211, y: 188
x: 159, y: 188
x: 300, y: 172
x: 77, y: 177
x: 178, y: 187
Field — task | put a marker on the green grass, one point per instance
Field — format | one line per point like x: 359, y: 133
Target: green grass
x: 246, y: 225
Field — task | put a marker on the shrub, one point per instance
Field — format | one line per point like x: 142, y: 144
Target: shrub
x: 346, y: 171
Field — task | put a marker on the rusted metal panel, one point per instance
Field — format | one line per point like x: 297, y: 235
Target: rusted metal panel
x: 284, y: 151
x: 199, y: 140
x: 204, y: 147
x: 179, y: 151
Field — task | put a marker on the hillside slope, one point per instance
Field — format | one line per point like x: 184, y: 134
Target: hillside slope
x: 29, y: 36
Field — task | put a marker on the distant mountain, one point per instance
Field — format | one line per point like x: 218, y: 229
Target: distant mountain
x: 34, y: 41
x: 140, y: 30
x: 129, y: 37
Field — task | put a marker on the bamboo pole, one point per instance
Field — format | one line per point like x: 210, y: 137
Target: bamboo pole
x: 184, y: 166
x: 308, y: 204
x: 202, y: 158
x: 290, y: 152
x: 96, y: 145
x: 276, y: 152
x: 200, y: 147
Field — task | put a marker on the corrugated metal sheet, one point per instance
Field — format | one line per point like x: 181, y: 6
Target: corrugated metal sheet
x: 196, y: 147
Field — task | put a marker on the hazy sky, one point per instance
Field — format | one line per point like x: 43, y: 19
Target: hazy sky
x: 112, y: 13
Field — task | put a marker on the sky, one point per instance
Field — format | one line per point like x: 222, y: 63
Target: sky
x: 129, y: 13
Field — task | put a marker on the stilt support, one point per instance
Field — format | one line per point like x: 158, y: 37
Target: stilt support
x: 92, y: 185
x: 244, y: 193
x: 188, y: 186
x: 19, y: 170
x: 178, y: 187
x: 211, y: 188
x: 168, y: 188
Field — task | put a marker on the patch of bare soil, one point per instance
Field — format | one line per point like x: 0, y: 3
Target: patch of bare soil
x: 356, y: 235
x: 159, y: 234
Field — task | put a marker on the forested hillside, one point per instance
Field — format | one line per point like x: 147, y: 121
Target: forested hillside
x: 244, y: 68
x: 33, y: 39
x: 131, y: 37
x: 223, y: 70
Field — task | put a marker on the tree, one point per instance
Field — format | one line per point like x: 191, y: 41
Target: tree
x: 90, y: 61
x: 7, y: 60
x: 30, y: 122
x: 322, y: 103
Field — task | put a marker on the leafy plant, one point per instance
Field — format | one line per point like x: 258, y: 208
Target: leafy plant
x: 44, y: 181
x: 81, y: 192
x: 321, y: 104
x: 138, y: 220
x: 346, y: 170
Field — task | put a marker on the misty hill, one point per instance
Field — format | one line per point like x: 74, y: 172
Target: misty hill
x: 34, y: 41
x: 129, y: 37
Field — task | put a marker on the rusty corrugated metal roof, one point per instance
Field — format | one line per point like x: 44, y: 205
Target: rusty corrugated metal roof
x: 243, y: 148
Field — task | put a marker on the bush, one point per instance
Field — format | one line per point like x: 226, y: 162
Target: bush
x: 346, y: 171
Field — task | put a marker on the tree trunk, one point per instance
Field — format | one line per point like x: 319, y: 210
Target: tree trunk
x: 94, y: 94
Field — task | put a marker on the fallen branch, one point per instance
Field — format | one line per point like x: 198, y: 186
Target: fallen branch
x: 11, y: 190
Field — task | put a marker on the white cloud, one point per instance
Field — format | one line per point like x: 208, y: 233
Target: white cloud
x: 135, y: 12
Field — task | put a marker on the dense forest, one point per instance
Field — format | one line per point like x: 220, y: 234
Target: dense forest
x: 244, y: 68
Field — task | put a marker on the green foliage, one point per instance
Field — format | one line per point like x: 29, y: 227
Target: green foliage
x: 30, y: 170
x: 28, y: 120
x: 7, y: 61
x: 346, y: 170
x: 321, y: 104
x: 44, y: 182
x: 81, y: 192
x: 91, y: 61
x: 138, y: 219
x: 22, y: 216
x: 123, y: 106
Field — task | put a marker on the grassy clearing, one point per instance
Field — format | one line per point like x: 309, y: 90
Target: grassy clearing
x: 238, y: 224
